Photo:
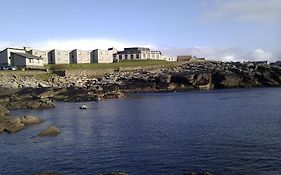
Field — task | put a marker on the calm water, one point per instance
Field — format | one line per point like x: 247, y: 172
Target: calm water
x: 226, y: 131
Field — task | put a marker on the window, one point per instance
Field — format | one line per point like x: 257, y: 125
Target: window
x: 126, y: 56
x: 120, y: 57
x: 138, y: 56
x: 132, y: 56
x: 30, y: 60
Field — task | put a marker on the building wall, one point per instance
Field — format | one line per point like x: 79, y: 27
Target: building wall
x: 103, y: 56
x: 5, y: 55
x: 19, y: 60
x: 4, y: 58
x: 80, y: 56
x: 26, y: 62
x: 168, y: 58
x: 40, y: 53
x: 139, y: 55
x: 58, y: 57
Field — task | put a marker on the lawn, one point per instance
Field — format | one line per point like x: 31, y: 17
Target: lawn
x: 127, y: 63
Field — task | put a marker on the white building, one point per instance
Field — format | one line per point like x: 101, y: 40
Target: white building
x: 103, y: 56
x: 80, y: 56
x: 138, y: 53
x: 168, y: 58
x: 58, y: 57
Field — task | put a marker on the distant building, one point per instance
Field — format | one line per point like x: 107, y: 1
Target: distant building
x: 26, y: 60
x: 41, y: 54
x: 58, y: 57
x: 137, y: 53
x: 80, y: 56
x: 103, y: 56
x: 168, y: 58
x: 184, y: 58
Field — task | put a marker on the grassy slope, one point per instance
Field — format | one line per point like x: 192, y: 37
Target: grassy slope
x: 138, y: 63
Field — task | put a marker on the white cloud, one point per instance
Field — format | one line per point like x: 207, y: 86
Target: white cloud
x: 85, y: 44
x: 243, y: 10
x: 222, y: 54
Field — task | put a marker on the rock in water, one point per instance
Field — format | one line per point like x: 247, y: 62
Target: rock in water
x: 50, y: 131
x: 30, y: 120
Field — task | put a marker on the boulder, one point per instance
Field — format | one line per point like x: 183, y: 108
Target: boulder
x: 50, y: 131
x: 30, y: 120
x: 4, y: 111
x: 13, y: 125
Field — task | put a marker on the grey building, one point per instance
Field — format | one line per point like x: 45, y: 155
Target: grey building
x: 26, y: 60
x: 40, y: 53
x: 80, y: 56
x: 6, y: 56
x: 58, y: 57
x: 137, y: 53
x: 103, y: 56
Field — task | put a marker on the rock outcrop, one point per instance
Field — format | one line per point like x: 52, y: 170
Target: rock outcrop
x: 50, y: 131
x: 15, y: 124
x: 182, y: 77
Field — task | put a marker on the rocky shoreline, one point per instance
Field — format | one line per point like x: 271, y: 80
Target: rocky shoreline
x: 19, y: 92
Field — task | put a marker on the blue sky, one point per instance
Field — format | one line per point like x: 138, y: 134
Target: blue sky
x: 222, y: 29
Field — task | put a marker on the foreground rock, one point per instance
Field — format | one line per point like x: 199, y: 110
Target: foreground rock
x: 15, y: 124
x: 46, y: 173
x: 114, y: 173
x: 50, y: 131
x: 4, y: 111
x: 199, y: 173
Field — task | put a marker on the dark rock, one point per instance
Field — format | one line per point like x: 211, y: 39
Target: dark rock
x: 114, y: 173
x: 50, y: 131
x: 198, y: 173
x: 48, y: 173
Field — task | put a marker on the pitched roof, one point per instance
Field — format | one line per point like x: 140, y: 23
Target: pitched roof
x: 26, y: 55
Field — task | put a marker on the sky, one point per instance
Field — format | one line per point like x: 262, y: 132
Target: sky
x: 228, y: 30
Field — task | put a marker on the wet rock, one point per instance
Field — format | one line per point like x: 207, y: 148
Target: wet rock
x: 114, y: 173
x: 30, y: 120
x: 48, y: 173
x: 198, y: 173
x: 15, y: 124
x: 50, y: 131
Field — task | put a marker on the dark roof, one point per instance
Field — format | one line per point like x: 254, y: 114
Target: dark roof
x: 26, y: 55
x: 11, y: 48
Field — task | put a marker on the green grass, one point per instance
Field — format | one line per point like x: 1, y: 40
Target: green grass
x: 127, y: 63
